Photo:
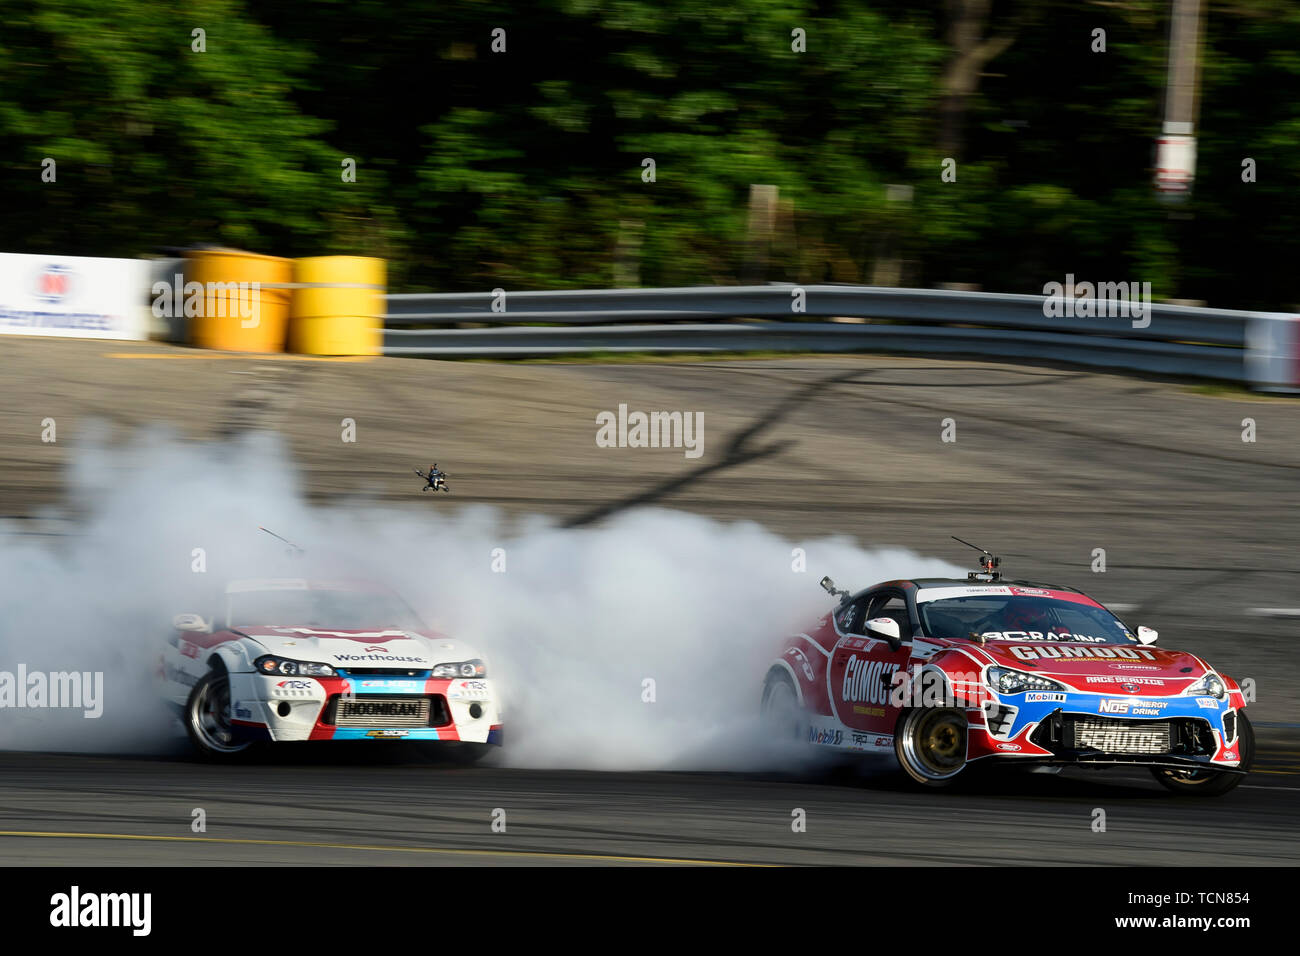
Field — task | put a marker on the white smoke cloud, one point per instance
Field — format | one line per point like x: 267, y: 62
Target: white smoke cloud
x: 573, y: 628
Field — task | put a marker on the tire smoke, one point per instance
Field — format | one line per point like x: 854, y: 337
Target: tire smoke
x: 638, y: 644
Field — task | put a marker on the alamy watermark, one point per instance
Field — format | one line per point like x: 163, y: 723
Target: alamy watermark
x: 651, y: 430
x: 56, y: 689
x: 1105, y: 300
x: 76, y: 908
x: 181, y: 299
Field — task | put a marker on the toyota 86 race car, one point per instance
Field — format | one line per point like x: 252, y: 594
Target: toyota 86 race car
x: 297, y: 660
x: 947, y: 674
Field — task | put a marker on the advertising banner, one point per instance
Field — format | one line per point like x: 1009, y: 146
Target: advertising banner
x: 74, y: 296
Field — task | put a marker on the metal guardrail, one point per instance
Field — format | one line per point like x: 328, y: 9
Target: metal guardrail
x: 1179, y: 340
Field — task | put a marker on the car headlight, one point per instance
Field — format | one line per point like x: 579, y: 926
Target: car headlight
x: 282, y: 665
x: 474, y: 668
x: 1211, y: 685
x: 1004, y: 680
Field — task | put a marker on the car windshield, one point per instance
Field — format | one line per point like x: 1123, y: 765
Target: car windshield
x: 1019, y: 617
x: 320, y: 607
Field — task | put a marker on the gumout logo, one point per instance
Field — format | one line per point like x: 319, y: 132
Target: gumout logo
x: 867, y: 681
x: 1034, y: 653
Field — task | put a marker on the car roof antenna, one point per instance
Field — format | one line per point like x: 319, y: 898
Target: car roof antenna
x: 294, y: 550
x: 989, y: 564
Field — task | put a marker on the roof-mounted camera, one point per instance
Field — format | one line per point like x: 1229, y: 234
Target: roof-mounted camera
x: 989, y: 564
x: 829, y: 586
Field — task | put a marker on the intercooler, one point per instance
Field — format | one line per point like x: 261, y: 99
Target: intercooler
x: 376, y: 711
x: 1118, y: 736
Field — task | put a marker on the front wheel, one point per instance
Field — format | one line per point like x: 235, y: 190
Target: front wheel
x: 930, y: 744
x: 207, y: 719
x: 1212, y: 783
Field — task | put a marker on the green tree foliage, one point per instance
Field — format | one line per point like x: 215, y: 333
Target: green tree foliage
x: 524, y: 168
x: 156, y: 144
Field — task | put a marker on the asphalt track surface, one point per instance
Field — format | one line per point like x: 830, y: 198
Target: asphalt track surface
x: 1049, y: 463
x: 337, y: 810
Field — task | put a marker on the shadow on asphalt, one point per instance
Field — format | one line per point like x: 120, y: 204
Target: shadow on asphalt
x: 883, y: 776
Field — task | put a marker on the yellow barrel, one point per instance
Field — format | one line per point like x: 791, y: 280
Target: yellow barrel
x: 338, y: 306
x: 245, y: 300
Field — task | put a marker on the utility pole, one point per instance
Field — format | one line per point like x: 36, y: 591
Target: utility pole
x: 1176, y: 147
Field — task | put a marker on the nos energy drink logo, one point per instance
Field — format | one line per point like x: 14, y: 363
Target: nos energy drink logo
x: 53, y: 284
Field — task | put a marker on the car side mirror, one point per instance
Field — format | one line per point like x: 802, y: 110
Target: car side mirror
x: 1147, y: 635
x: 190, y: 622
x: 887, y: 628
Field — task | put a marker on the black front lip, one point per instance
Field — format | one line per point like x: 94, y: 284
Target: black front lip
x: 1086, y: 758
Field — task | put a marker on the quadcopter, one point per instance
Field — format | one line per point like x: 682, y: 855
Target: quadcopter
x: 434, y: 480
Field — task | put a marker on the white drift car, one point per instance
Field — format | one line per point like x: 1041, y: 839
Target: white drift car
x: 296, y: 660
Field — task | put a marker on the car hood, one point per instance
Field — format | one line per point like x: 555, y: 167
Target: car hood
x: 1101, y: 667
x: 359, y: 648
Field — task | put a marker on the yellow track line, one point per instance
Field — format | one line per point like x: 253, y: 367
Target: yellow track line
x: 240, y: 355
x: 352, y: 846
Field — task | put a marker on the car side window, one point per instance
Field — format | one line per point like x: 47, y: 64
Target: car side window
x: 849, y: 618
x: 891, y: 605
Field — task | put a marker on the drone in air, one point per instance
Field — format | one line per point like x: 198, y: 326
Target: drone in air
x: 434, y: 480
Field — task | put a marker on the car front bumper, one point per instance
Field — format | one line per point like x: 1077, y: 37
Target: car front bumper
x: 364, y: 707
x: 1099, y: 729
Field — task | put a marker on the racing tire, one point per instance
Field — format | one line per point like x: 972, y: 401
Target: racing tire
x: 1212, y: 783
x: 930, y: 744
x: 780, y: 711
x: 207, y: 720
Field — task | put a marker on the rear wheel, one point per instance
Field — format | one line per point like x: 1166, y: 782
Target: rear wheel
x: 1212, y: 783
x: 781, y: 712
x: 930, y: 744
x: 207, y: 719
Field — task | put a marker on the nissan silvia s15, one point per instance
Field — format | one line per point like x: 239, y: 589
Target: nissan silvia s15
x: 286, y: 659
